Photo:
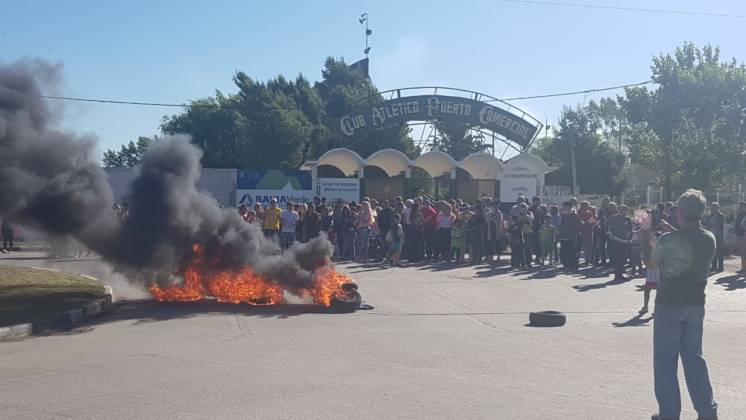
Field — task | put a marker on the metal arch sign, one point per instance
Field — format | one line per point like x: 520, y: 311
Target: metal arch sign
x: 442, y: 108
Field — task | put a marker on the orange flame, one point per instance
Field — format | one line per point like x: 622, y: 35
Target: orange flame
x: 328, y: 285
x: 243, y: 285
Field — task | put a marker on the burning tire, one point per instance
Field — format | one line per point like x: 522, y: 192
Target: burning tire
x: 349, y: 301
x: 546, y: 319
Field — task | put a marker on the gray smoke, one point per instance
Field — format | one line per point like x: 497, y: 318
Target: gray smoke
x: 49, y: 182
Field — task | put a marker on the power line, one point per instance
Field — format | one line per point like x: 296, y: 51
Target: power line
x: 626, y: 9
x: 111, y: 101
x: 577, y: 92
x: 207, y: 106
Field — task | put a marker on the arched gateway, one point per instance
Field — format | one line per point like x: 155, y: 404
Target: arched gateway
x: 493, y: 121
x: 487, y: 117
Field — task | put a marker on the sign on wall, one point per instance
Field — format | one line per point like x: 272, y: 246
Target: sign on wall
x: 551, y: 191
x: 519, y: 181
x: 262, y: 185
x: 512, y: 188
x: 345, y: 189
x: 441, y: 108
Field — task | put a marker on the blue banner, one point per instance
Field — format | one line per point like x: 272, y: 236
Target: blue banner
x: 262, y: 185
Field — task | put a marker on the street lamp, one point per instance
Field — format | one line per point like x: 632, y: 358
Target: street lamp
x: 368, y: 32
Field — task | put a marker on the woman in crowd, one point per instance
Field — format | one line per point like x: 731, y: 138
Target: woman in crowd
x: 339, y: 233
x: 526, y: 220
x: 407, y: 245
x: 349, y: 233
x: 474, y: 223
x: 457, y: 241
x: 365, y: 221
x: 311, y: 224
x: 327, y: 223
x: 495, y: 231
x: 602, y: 214
x: 301, y: 209
x: 259, y: 211
x: 444, y: 221
x: 715, y: 223
x: 243, y: 211
x: 416, y: 234
x: 517, y: 243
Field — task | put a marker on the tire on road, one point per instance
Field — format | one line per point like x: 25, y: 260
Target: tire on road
x: 546, y: 319
x: 350, y: 302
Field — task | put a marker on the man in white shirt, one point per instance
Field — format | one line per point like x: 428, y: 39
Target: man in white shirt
x: 288, y: 220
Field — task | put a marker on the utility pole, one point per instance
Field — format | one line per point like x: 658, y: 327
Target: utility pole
x: 574, y: 171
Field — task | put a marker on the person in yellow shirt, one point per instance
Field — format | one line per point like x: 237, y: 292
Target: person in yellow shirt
x: 272, y: 220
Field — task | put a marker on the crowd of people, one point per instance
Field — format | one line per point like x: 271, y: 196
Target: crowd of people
x: 676, y: 246
x: 533, y: 233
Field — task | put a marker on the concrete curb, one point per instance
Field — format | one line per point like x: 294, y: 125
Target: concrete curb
x: 66, y: 320
x: 16, y: 331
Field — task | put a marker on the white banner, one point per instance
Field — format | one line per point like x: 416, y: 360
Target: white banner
x: 345, y: 189
x: 551, y: 191
x: 592, y: 199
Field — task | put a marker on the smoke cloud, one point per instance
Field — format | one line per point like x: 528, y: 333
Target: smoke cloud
x: 48, y: 181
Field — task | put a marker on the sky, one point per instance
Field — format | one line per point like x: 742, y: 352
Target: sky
x: 176, y: 51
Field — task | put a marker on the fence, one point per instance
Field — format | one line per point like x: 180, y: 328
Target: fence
x: 728, y: 198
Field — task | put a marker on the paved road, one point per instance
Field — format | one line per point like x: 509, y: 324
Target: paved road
x: 440, y: 343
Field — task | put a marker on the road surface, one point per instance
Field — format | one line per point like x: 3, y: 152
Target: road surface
x: 441, y: 342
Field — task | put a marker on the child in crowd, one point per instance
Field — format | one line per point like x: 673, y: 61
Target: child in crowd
x: 555, y: 219
x: 517, y: 243
x: 651, y: 282
x: 548, y: 240
x: 587, y: 215
x: 394, y: 237
x: 457, y: 240
x: 635, y: 252
x: 648, y: 224
x: 472, y: 234
x: 250, y: 217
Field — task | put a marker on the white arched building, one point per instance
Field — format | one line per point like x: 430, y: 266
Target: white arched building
x: 522, y: 174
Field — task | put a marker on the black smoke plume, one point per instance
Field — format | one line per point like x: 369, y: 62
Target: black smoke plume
x: 49, y: 182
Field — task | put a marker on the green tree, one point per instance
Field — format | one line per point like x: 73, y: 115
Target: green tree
x: 692, y: 127
x: 282, y: 123
x: 599, y: 164
x: 343, y: 88
x: 457, y: 140
x: 129, y: 155
x: 259, y: 127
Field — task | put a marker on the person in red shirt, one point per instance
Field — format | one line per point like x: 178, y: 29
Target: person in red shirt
x: 587, y: 215
x: 430, y: 224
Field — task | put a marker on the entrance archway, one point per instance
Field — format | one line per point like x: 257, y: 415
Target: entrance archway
x: 498, y: 124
